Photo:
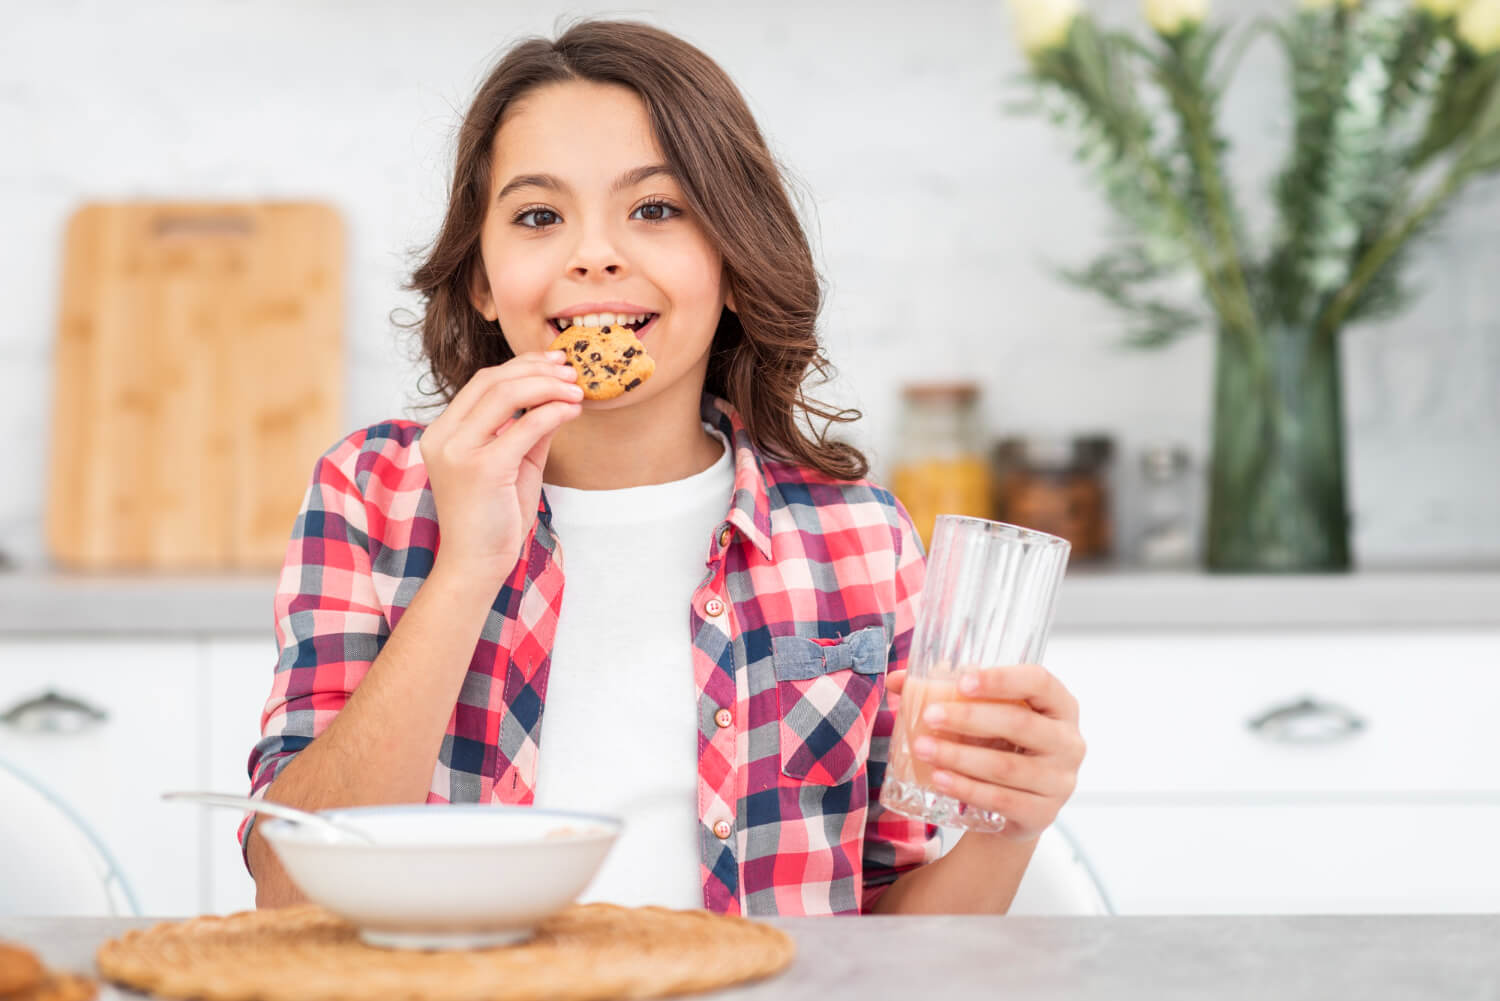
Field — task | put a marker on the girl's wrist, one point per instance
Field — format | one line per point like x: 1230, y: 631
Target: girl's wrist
x: 466, y: 582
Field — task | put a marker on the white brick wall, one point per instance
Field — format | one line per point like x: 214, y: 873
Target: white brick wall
x: 931, y: 204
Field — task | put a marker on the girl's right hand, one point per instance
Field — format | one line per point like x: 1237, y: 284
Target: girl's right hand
x: 485, y: 463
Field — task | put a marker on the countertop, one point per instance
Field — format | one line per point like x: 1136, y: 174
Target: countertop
x: 53, y: 603
x: 1372, y: 958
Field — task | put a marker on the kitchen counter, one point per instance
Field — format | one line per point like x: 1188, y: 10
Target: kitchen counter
x: 1077, y: 959
x: 52, y: 603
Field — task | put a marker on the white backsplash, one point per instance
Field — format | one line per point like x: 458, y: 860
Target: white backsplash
x: 934, y: 215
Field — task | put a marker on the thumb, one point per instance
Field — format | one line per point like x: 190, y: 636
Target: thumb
x: 895, y: 681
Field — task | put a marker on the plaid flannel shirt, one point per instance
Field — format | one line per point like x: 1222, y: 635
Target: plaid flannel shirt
x: 810, y: 591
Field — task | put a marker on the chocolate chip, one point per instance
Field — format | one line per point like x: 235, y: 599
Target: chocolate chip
x: 580, y: 345
x: 596, y: 356
x: 595, y: 385
x: 630, y: 352
x: 632, y: 384
x: 611, y: 370
x: 603, y: 330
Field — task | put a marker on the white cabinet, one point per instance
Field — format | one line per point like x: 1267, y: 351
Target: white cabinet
x: 1310, y: 771
x: 237, y: 681
x: 1389, y: 802
x: 1274, y: 858
x: 111, y: 768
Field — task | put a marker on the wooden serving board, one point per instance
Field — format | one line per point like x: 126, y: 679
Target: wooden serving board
x: 199, y: 375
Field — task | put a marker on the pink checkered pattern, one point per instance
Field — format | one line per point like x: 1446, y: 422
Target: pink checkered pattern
x: 802, y: 613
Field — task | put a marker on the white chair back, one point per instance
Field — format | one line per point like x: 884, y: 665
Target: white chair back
x: 1058, y: 880
x: 51, y: 862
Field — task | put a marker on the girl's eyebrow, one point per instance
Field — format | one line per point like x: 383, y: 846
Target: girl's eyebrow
x: 551, y: 182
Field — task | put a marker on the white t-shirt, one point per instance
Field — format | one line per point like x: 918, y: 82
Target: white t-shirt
x: 620, y: 723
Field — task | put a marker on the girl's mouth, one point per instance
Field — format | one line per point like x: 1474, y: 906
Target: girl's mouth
x: 636, y: 324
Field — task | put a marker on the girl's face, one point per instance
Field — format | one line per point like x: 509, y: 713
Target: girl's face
x: 585, y: 218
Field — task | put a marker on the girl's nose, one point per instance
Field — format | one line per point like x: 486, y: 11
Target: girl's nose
x: 596, y: 254
x: 608, y: 269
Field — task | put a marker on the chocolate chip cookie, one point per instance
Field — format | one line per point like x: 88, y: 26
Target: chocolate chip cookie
x: 20, y: 969
x: 24, y: 978
x: 609, y: 360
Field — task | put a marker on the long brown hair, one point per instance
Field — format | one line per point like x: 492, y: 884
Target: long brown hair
x: 760, y: 356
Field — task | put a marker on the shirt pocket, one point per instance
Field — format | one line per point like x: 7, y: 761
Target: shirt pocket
x: 827, y: 694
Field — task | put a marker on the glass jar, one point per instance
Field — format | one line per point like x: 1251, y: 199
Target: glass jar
x: 1168, y: 536
x: 1058, y: 485
x: 939, y: 465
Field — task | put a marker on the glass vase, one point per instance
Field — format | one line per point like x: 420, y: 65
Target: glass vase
x: 1277, y: 494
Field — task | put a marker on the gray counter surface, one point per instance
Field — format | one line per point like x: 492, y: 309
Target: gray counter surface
x: 54, y: 603
x: 1370, y: 958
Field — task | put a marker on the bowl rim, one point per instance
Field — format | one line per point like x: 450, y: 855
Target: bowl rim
x: 275, y: 828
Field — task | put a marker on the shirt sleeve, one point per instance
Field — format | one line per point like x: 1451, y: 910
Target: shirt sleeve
x: 895, y: 844
x: 329, y: 621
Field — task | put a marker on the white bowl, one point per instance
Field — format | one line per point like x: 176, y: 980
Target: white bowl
x: 446, y: 877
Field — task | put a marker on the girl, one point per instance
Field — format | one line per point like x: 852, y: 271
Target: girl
x: 706, y: 607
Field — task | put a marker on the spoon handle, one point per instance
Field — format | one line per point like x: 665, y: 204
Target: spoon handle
x: 291, y: 813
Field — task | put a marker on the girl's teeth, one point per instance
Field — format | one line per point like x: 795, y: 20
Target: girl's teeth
x: 602, y: 319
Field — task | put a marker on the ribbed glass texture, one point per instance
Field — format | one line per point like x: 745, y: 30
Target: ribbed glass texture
x: 987, y: 602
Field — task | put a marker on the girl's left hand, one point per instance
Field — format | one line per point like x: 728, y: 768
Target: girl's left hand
x: 1027, y: 784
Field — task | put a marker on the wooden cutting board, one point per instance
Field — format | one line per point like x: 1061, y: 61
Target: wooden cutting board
x: 199, y: 374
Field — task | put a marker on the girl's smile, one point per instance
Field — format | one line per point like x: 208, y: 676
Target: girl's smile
x: 598, y: 234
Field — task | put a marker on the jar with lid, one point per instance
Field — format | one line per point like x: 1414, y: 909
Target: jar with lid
x: 1168, y: 538
x: 1058, y: 485
x: 939, y: 465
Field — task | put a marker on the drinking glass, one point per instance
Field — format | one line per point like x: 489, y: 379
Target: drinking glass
x: 987, y: 602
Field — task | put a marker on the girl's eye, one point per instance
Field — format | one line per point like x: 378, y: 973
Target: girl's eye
x: 657, y: 216
x: 654, y: 211
x: 539, y: 212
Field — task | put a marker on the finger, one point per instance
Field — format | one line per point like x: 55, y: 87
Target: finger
x: 492, y: 414
x: 1026, y: 814
x: 894, y: 682
x: 1031, y: 682
x: 997, y: 767
x: 523, y: 438
x: 485, y: 379
x: 1021, y: 725
x: 537, y: 455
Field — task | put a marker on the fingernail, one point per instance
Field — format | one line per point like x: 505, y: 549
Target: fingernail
x: 557, y: 355
x: 924, y: 748
x: 968, y: 684
x: 934, y: 714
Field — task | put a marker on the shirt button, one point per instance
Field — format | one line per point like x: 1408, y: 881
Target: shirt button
x: 713, y: 608
x: 723, y: 717
x: 724, y: 537
x: 722, y: 830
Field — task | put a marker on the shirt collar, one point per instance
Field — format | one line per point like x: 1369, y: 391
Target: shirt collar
x: 750, y: 507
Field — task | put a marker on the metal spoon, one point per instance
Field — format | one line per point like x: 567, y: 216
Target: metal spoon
x: 334, y: 830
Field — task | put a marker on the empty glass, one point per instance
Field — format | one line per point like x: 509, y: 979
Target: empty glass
x: 987, y: 602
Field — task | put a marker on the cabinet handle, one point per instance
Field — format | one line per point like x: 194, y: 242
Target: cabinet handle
x: 1307, y: 721
x: 53, y: 713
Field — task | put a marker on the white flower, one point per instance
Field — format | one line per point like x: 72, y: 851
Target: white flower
x: 1439, y: 8
x: 1043, y: 24
x: 1479, y: 25
x: 1170, y: 17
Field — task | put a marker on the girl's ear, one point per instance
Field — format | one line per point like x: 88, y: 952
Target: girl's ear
x: 479, y: 293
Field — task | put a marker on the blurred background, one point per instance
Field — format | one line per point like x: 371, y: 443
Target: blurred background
x: 1309, y: 743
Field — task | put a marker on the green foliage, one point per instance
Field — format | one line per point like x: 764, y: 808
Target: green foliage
x: 1391, y: 117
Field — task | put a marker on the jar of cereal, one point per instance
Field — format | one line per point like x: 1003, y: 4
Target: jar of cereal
x: 939, y: 465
